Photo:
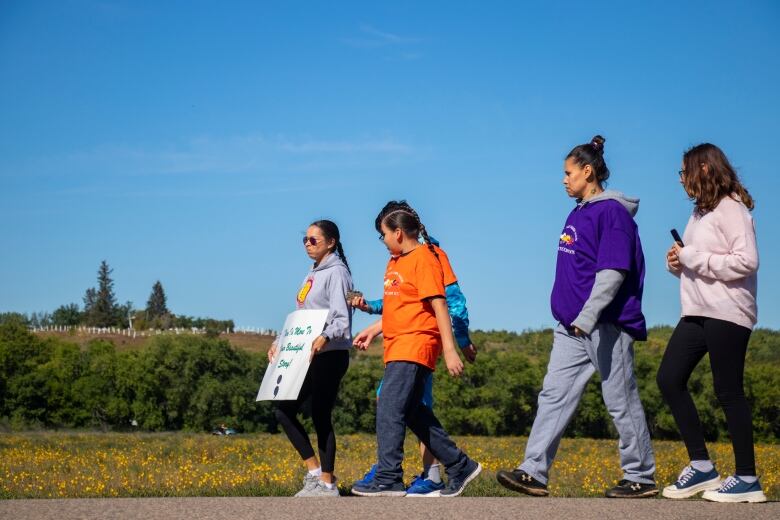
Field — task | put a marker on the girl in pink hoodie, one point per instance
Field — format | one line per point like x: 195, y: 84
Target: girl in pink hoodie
x: 717, y: 263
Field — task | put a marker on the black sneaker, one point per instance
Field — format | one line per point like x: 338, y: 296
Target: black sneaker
x: 456, y: 485
x: 519, y: 480
x: 373, y: 489
x: 629, y: 489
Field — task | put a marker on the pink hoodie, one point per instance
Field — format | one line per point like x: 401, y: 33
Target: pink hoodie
x: 719, y: 265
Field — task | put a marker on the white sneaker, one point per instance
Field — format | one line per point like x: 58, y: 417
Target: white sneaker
x: 734, y: 489
x: 692, y: 481
x: 320, y: 489
x: 309, y: 483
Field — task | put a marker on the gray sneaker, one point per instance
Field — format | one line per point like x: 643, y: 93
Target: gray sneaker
x: 309, y: 483
x: 319, y: 490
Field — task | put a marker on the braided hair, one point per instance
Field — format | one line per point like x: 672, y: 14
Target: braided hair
x: 399, y: 214
x: 331, y: 231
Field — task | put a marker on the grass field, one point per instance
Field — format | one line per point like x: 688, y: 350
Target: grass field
x: 48, y: 465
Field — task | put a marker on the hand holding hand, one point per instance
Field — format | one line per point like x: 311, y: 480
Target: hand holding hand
x: 359, y: 302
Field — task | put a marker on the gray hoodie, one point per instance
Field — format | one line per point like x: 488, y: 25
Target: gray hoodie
x: 325, y: 287
x: 630, y: 203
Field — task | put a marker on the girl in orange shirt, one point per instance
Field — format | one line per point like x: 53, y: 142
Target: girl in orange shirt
x: 416, y: 327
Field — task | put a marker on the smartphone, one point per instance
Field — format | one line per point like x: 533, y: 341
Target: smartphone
x: 676, y: 237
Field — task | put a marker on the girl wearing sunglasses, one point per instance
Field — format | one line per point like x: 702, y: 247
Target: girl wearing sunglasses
x: 597, y: 300
x: 324, y: 287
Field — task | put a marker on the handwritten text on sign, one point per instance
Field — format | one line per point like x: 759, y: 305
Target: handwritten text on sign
x: 285, y: 374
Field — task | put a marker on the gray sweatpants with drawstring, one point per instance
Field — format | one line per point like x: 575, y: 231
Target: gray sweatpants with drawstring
x: 573, y: 361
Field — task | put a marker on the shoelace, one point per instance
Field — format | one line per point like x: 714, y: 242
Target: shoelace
x: 728, y: 484
x: 685, y: 475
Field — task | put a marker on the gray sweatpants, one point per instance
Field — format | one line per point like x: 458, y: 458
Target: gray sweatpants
x: 573, y: 361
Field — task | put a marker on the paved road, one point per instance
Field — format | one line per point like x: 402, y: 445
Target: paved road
x: 380, y: 508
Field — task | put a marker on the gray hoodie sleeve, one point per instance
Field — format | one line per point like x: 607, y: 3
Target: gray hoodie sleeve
x: 606, y: 286
x: 338, y: 325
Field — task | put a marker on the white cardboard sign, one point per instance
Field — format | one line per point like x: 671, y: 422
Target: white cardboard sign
x: 284, y: 376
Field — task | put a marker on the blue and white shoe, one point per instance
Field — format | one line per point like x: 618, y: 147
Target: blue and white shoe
x: 692, y: 481
x: 367, y: 478
x: 734, y: 489
x: 424, y: 487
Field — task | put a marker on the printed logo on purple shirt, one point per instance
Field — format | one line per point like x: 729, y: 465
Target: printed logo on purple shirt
x: 567, y: 240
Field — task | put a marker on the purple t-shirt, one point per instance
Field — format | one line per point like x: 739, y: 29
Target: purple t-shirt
x: 600, y: 235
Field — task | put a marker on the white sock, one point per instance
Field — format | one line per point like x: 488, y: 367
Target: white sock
x: 329, y: 485
x: 748, y: 478
x: 315, y: 472
x: 702, y: 465
x: 434, y: 473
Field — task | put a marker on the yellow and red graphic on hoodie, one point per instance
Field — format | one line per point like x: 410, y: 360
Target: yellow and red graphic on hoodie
x: 304, y: 292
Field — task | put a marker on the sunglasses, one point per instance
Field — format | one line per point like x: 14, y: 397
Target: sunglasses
x: 681, y: 173
x: 310, y: 240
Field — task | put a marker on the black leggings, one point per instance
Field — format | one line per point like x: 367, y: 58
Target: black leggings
x: 726, y: 343
x: 322, y: 384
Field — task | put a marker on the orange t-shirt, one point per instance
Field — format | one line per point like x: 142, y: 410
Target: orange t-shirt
x: 408, y: 322
x: 449, y: 274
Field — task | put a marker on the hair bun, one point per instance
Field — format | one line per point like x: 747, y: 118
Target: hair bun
x: 598, y: 143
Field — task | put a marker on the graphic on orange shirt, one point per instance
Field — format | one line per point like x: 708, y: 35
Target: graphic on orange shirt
x: 393, y: 281
x: 304, y: 292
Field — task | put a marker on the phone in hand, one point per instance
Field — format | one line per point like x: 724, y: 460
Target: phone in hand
x: 676, y: 237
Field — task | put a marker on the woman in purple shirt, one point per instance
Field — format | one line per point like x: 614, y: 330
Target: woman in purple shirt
x: 597, y: 301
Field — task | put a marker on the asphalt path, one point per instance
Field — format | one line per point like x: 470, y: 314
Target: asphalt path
x: 471, y: 508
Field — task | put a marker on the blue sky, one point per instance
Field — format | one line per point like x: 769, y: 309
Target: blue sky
x: 193, y: 142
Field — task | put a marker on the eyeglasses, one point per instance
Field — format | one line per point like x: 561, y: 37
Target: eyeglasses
x: 381, y: 237
x: 310, y: 240
x: 681, y: 173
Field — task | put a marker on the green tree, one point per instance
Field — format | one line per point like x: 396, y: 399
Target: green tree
x: 156, y: 306
x: 100, y: 304
x: 66, y: 315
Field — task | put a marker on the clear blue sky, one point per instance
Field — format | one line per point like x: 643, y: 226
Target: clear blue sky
x: 193, y: 142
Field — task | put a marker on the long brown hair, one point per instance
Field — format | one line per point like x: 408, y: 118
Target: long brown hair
x: 709, y: 177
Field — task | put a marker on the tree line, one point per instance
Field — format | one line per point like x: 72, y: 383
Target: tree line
x: 193, y: 383
x: 102, y: 309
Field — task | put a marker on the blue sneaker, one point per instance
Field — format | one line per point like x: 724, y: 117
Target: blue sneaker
x: 373, y: 489
x: 734, y: 489
x: 367, y: 478
x: 424, y: 487
x: 692, y: 481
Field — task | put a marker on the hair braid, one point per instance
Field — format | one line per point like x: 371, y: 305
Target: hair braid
x: 422, y: 229
x: 340, y: 251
